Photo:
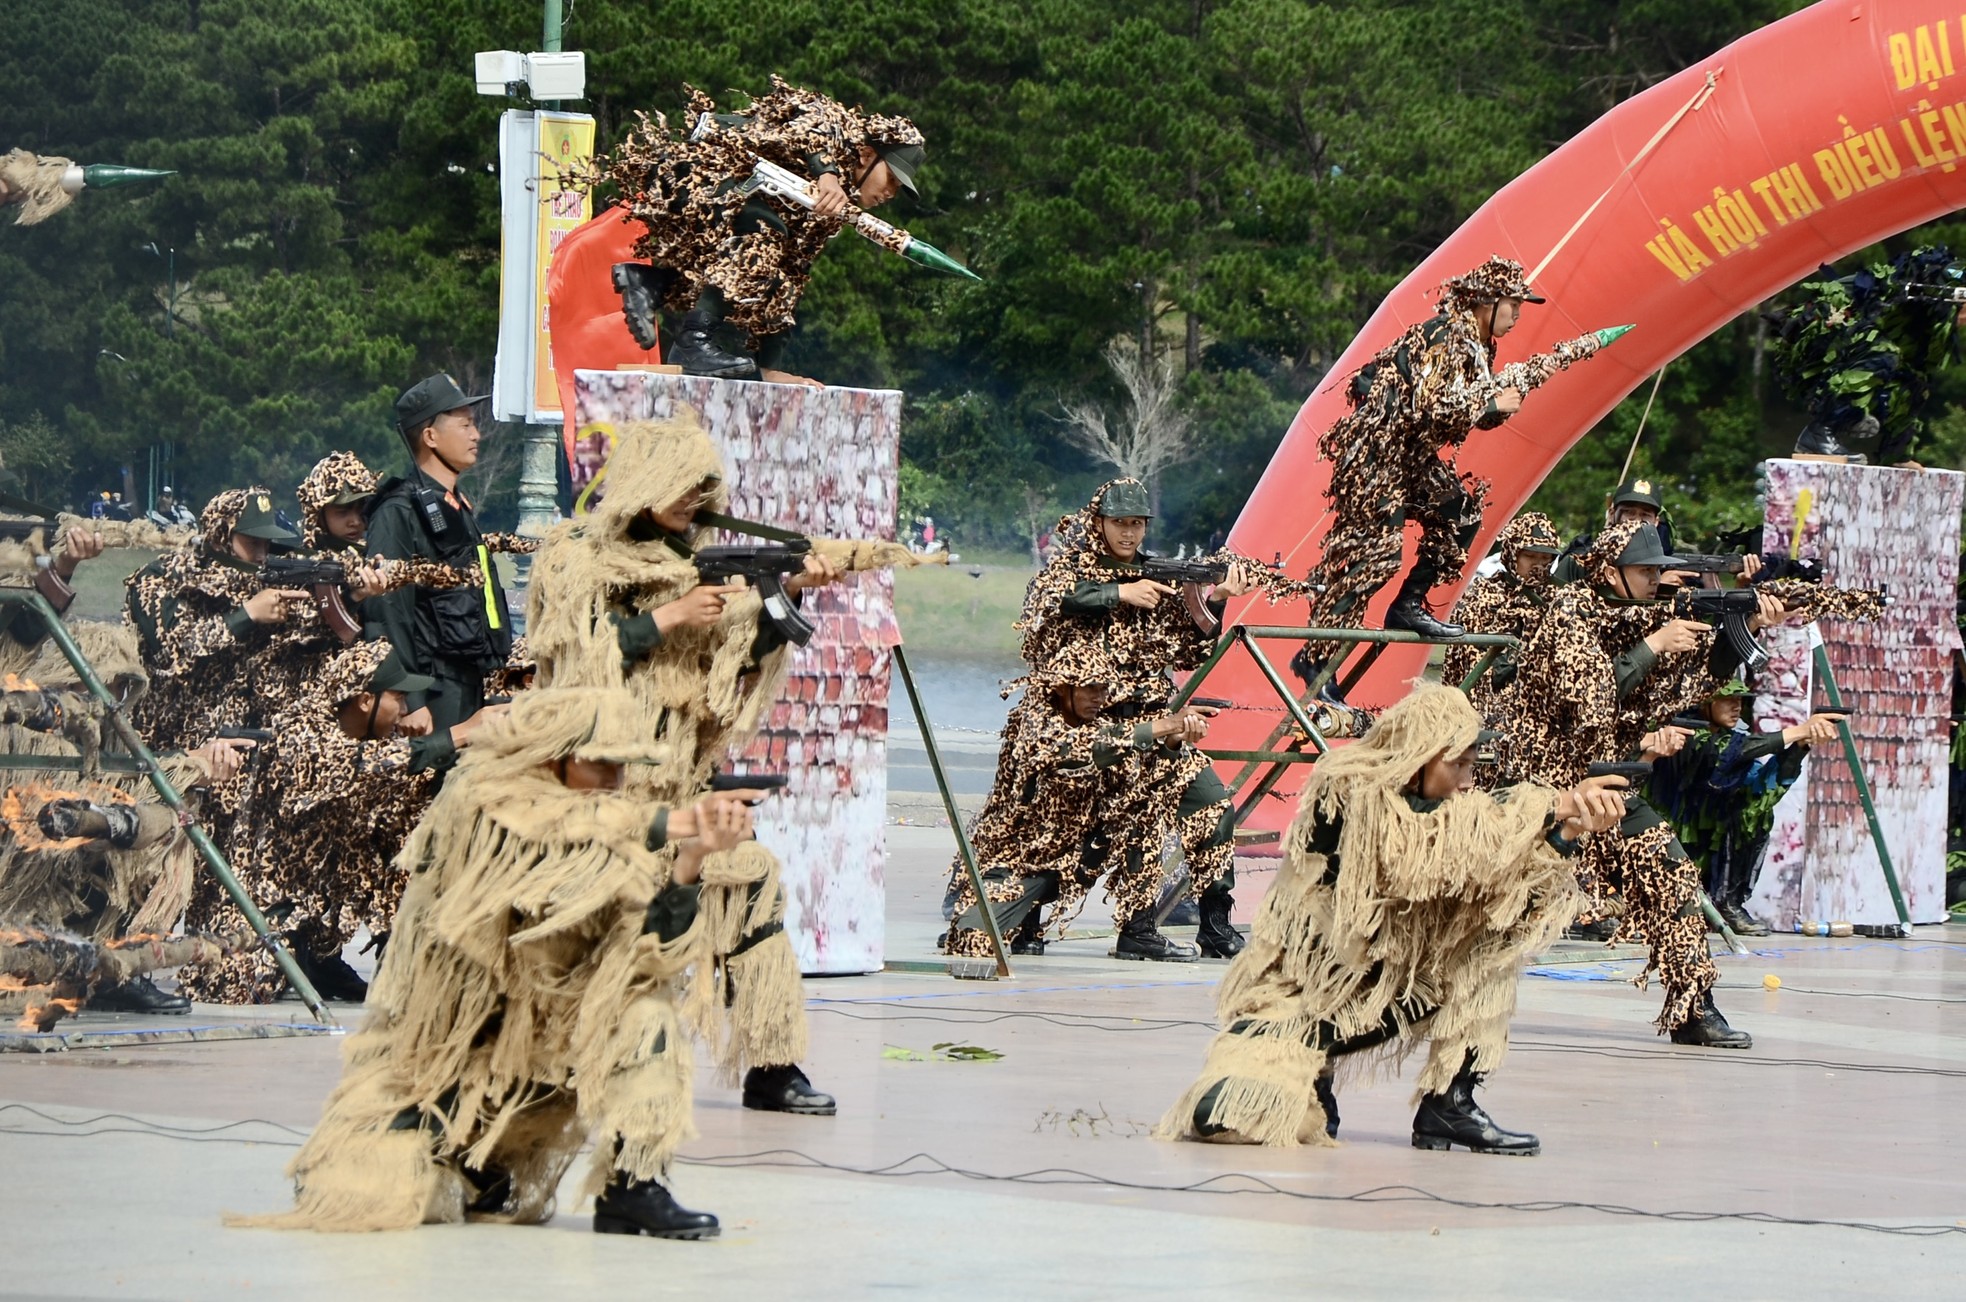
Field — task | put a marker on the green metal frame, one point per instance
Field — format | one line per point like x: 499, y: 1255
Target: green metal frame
x: 140, y: 760
x: 1297, y: 721
x: 1834, y: 698
x: 966, y: 851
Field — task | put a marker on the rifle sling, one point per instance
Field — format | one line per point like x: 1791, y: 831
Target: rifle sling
x: 769, y: 532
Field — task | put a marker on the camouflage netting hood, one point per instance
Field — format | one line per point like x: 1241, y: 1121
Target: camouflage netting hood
x: 1079, y: 664
x: 591, y: 575
x: 338, y: 479
x: 653, y: 465
x: 1530, y: 531
x: 1607, y: 547
x: 349, y: 672
x: 220, y: 516
x: 1491, y: 282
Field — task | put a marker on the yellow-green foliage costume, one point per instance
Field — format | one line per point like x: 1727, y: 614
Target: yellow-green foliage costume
x: 1419, y: 933
x: 522, y: 1008
x: 700, y: 692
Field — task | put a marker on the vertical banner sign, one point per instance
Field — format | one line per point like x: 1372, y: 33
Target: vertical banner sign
x: 535, y: 216
x: 564, y: 140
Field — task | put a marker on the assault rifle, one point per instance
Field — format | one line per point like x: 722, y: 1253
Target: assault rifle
x: 1190, y: 577
x: 1729, y: 609
x: 1774, y: 565
x: 764, y: 566
x: 325, y: 581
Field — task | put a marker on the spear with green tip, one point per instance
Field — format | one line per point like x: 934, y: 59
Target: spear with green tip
x: 41, y: 186
x: 769, y: 178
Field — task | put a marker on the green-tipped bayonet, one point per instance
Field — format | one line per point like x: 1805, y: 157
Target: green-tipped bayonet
x: 923, y: 254
x: 1611, y: 334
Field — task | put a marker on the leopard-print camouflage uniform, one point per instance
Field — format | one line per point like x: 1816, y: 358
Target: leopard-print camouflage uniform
x: 322, y: 818
x: 337, y: 475
x: 1425, y: 392
x: 1588, y: 691
x: 682, y: 185
x: 196, y: 640
x: 1504, y: 603
x: 1074, y: 800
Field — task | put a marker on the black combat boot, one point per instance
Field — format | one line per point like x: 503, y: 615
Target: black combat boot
x: 1139, y: 938
x: 647, y: 1207
x: 1409, y: 609
x: 1216, y: 936
x: 1453, y: 1117
x: 137, y: 995
x: 697, y: 351
x: 331, y: 976
x: 640, y: 288
x: 785, y: 1089
x: 1819, y: 440
x: 1029, y: 938
x: 1327, y: 1098
x: 1705, y: 1028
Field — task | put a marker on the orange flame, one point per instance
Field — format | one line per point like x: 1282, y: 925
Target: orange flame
x: 17, y: 683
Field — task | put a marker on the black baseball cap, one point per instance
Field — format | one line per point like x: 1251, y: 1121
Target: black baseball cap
x: 904, y: 161
x: 431, y: 397
x: 392, y: 675
x: 1638, y: 492
x: 1646, y: 549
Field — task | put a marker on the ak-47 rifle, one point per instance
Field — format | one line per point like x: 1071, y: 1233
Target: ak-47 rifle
x: 1774, y: 565
x: 327, y: 582
x: 764, y: 566
x: 1192, y: 575
x: 1729, y: 609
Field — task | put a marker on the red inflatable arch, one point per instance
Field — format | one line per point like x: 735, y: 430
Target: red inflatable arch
x: 1678, y: 210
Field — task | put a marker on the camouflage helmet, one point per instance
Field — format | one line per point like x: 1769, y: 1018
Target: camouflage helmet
x: 366, y: 667
x: 1733, y: 687
x: 1079, y: 663
x: 1492, y: 281
x: 1121, y: 499
x: 338, y: 479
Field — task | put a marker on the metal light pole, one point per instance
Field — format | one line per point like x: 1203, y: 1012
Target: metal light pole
x: 539, y: 479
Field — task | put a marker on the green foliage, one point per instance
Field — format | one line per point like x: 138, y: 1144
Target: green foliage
x: 1234, y: 183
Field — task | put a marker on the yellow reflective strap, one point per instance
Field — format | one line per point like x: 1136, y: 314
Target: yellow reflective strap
x: 491, y: 597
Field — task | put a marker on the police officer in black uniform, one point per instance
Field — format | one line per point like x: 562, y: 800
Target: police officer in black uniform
x: 456, y: 635
x: 1635, y: 499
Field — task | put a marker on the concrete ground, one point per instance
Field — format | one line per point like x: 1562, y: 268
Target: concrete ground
x: 1775, y: 1173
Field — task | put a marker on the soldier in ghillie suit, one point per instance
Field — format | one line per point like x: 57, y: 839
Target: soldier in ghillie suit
x: 1720, y: 790
x: 1603, y: 666
x: 1080, y: 795
x: 1860, y: 353
x: 326, y: 807
x: 333, y: 505
x: 202, y: 614
x: 1091, y: 591
x: 528, y: 1000
x: 722, y: 256
x: 1406, y: 900
x: 616, y: 602
x: 1425, y: 392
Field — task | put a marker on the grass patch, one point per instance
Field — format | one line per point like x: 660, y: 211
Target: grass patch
x: 951, y: 612
x: 99, y: 583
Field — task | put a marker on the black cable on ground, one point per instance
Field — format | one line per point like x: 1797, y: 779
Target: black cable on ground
x: 1226, y: 1182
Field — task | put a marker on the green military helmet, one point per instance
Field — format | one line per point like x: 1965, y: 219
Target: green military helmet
x: 1638, y: 491
x: 1125, y: 499
x: 1732, y: 687
x: 257, y: 520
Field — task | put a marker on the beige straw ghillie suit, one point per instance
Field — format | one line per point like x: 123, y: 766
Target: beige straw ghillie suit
x: 1392, y: 918
x: 1072, y: 802
x: 528, y: 1000
x: 702, y: 693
